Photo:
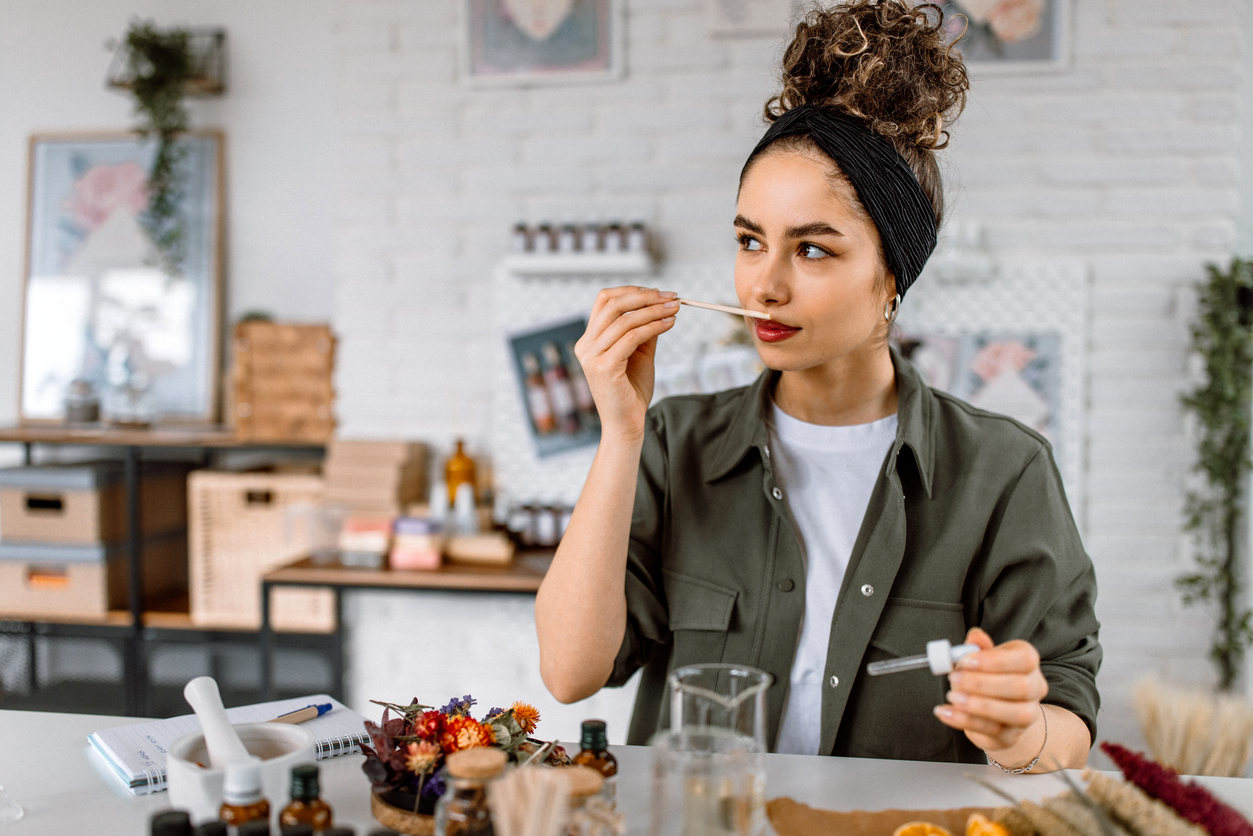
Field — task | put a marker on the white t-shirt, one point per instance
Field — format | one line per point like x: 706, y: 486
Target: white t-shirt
x: 827, y: 475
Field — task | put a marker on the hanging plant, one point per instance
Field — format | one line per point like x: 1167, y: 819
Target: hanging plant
x: 158, y: 66
x: 1222, y: 335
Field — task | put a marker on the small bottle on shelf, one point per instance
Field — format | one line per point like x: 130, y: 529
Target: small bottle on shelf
x: 594, y: 752
x: 242, y: 799
x: 458, y: 470
x: 306, y: 805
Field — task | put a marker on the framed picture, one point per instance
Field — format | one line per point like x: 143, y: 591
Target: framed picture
x: 119, y: 302
x: 531, y: 42
x: 1010, y: 35
x: 555, y: 395
x: 750, y: 18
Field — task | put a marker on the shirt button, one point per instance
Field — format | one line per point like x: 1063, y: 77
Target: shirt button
x: 835, y: 682
x: 787, y: 585
x: 867, y: 590
x: 776, y: 493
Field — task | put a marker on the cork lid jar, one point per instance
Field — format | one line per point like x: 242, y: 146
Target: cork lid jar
x: 584, y: 782
x: 478, y: 764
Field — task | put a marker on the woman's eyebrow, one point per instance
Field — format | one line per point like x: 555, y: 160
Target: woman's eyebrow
x: 740, y: 220
x: 817, y: 228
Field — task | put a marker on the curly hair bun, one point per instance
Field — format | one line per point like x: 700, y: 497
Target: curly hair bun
x: 885, y: 61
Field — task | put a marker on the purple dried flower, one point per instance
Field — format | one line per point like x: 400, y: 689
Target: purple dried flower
x: 459, y: 706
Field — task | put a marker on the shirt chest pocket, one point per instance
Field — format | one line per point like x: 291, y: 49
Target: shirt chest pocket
x: 700, y: 615
x: 891, y: 716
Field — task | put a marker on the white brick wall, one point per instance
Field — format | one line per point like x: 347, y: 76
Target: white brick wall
x: 1129, y: 160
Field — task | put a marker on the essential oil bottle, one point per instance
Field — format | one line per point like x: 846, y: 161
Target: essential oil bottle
x: 306, y: 806
x: 242, y: 799
x: 594, y: 752
x: 171, y: 823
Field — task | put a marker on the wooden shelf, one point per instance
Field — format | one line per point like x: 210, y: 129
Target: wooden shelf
x: 204, y: 436
x: 523, y: 575
x: 579, y: 264
x: 113, y: 618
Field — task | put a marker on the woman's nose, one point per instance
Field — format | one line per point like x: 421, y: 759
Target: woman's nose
x: 771, y: 283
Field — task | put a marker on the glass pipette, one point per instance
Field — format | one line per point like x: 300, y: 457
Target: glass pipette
x: 940, y: 658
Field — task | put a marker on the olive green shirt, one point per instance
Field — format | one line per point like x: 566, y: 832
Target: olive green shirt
x: 968, y: 526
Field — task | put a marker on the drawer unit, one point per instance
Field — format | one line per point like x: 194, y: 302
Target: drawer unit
x: 85, y: 504
x: 41, y: 580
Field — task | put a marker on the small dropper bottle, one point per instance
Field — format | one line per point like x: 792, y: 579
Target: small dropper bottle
x: 306, y: 806
x: 171, y: 823
x: 242, y: 799
x: 594, y: 752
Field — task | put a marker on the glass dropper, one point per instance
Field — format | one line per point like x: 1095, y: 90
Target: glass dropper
x: 940, y: 657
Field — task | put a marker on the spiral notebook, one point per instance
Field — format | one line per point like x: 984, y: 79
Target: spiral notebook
x: 136, y: 753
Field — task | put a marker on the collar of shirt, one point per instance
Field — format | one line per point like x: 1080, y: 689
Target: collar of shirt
x: 914, y: 425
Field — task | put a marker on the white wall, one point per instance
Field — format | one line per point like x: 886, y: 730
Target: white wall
x: 278, y: 116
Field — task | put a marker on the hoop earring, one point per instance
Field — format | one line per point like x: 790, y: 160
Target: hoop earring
x: 891, y: 309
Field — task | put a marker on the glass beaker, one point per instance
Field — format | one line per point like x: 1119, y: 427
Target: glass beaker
x: 722, y: 696
x: 707, y: 781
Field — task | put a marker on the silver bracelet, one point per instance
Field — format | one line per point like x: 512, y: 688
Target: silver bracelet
x: 1020, y: 770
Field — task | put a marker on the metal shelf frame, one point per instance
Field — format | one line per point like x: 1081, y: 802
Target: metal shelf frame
x: 133, y: 637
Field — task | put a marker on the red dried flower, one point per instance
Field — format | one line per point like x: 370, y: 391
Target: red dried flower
x: 464, y: 733
x: 1190, y: 800
x: 429, y: 725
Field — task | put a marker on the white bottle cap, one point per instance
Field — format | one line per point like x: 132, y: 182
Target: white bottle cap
x: 242, y: 784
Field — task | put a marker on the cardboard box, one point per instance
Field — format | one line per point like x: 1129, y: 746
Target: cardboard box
x: 85, y: 504
x: 38, y: 579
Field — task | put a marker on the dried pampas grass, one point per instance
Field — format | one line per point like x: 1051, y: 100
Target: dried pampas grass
x: 1194, y: 732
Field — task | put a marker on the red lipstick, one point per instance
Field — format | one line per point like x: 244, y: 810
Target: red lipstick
x: 772, y: 331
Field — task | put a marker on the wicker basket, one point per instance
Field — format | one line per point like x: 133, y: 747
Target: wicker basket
x: 238, y: 531
x: 282, y: 382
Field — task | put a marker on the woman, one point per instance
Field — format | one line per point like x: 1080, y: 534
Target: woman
x: 838, y: 511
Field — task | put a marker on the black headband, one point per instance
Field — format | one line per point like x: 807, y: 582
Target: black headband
x: 885, y: 183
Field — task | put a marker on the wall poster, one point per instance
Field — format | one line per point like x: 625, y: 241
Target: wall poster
x: 1010, y: 35
x: 105, y: 307
x: 529, y: 42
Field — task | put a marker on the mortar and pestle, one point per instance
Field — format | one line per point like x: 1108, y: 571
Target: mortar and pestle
x: 197, y: 788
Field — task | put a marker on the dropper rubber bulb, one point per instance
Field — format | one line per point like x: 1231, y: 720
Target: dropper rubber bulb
x: 940, y: 657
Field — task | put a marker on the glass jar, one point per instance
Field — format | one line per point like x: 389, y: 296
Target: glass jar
x: 462, y: 810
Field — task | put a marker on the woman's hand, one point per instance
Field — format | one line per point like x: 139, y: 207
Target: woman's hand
x: 616, y: 352
x: 995, y: 699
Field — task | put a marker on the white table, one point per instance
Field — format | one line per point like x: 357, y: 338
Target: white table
x: 49, y: 769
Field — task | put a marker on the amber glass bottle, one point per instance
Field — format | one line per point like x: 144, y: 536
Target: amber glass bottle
x: 459, y: 470
x: 242, y: 800
x: 306, y: 806
x: 594, y: 752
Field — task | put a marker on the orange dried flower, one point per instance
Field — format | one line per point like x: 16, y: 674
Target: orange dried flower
x: 526, y: 715
x: 464, y: 733
x: 422, y: 757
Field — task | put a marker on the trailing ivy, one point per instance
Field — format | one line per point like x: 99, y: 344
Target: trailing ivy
x: 1222, y: 335
x: 159, y: 64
